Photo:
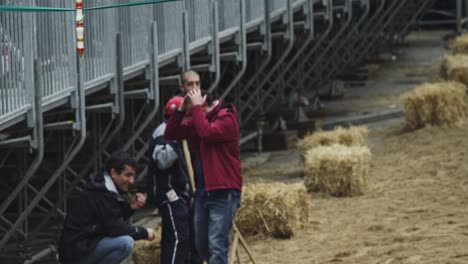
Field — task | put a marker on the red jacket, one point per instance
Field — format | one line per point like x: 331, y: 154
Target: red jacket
x: 213, y: 137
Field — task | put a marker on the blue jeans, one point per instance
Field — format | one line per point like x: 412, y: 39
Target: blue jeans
x: 214, y: 213
x: 110, y: 250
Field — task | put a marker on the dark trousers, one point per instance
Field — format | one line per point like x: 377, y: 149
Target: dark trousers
x: 175, y: 235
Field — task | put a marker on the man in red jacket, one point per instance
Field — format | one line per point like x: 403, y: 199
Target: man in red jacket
x: 213, y: 134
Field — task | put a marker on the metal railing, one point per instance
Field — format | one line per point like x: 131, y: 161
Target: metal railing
x: 14, y: 42
x: 99, y: 56
x: 229, y: 13
x: 255, y: 9
x: 278, y: 4
x: 199, y: 19
x: 134, y: 24
x: 169, y: 17
x: 54, y: 53
x: 52, y: 42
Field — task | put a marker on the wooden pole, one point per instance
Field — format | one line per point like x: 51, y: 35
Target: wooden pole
x: 233, y: 249
x: 188, y: 160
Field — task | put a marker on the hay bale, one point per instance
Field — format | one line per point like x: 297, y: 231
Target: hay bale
x: 435, y: 104
x: 460, y: 45
x: 338, y: 170
x: 273, y: 209
x: 148, y: 251
x: 352, y: 136
x: 455, y: 68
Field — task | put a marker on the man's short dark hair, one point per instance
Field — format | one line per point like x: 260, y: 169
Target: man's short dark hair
x: 118, y: 160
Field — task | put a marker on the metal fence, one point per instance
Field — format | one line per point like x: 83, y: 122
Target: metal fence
x: 99, y: 57
x: 134, y: 24
x: 278, y: 4
x: 169, y: 18
x: 199, y: 19
x: 52, y: 42
x: 255, y: 9
x: 54, y: 50
x: 229, y: 14
x: 13, y: 43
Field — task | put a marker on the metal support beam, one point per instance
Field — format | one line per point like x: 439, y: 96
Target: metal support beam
x: 38, y: 137
x: 81, y: 120
x: 170, y: 80
x: 22, y: 142
x: 367, y: 31
x: 459, y: 16
x: 293, y: 62
x: 275, y: 69
x: 267, y: 46
x: 186, y: 49
x: 242, y: 50
x: 119, y: 103
x: 154, y: 87
x: 465, y: 8
x: 214, y: 46
x: 41, y: 254
x: 280, y: 73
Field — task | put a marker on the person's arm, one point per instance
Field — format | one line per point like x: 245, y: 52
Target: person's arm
x: 127, y: 212
x: 175, y: 128
x: 222, y: 129
x: 114, y: 224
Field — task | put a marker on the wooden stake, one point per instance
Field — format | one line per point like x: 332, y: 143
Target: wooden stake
x: 244, y: 243
x: 233, y: 249
x: 188, y: 160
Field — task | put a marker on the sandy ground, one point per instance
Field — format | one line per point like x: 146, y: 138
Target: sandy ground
x: 414, y: 212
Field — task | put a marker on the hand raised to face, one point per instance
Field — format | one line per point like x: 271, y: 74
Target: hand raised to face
x: 196, y: 98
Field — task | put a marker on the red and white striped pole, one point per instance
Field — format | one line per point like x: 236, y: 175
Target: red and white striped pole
x: 79, y: 28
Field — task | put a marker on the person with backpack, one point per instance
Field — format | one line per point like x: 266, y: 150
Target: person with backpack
x: 168, y: 187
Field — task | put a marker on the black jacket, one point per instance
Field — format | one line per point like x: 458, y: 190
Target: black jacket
x: 92, y: 215
x: 167, y: 169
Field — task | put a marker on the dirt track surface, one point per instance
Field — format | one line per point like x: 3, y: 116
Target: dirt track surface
x: 414, y: 212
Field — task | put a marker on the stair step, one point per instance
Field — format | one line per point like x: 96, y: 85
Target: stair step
x: 299, y: 24
x: 21, y: 142
x: 229, y: 56
x: 255, y: 45
x: 201, y: 67
x: 277, y: 35
x: 170, y: 80
x: 107, y: 107
x: 137, y: 84
x: 137, y: 94
x: 65, y: 125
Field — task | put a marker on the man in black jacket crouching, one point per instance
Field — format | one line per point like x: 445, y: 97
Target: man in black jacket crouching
x: 95, y: 228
